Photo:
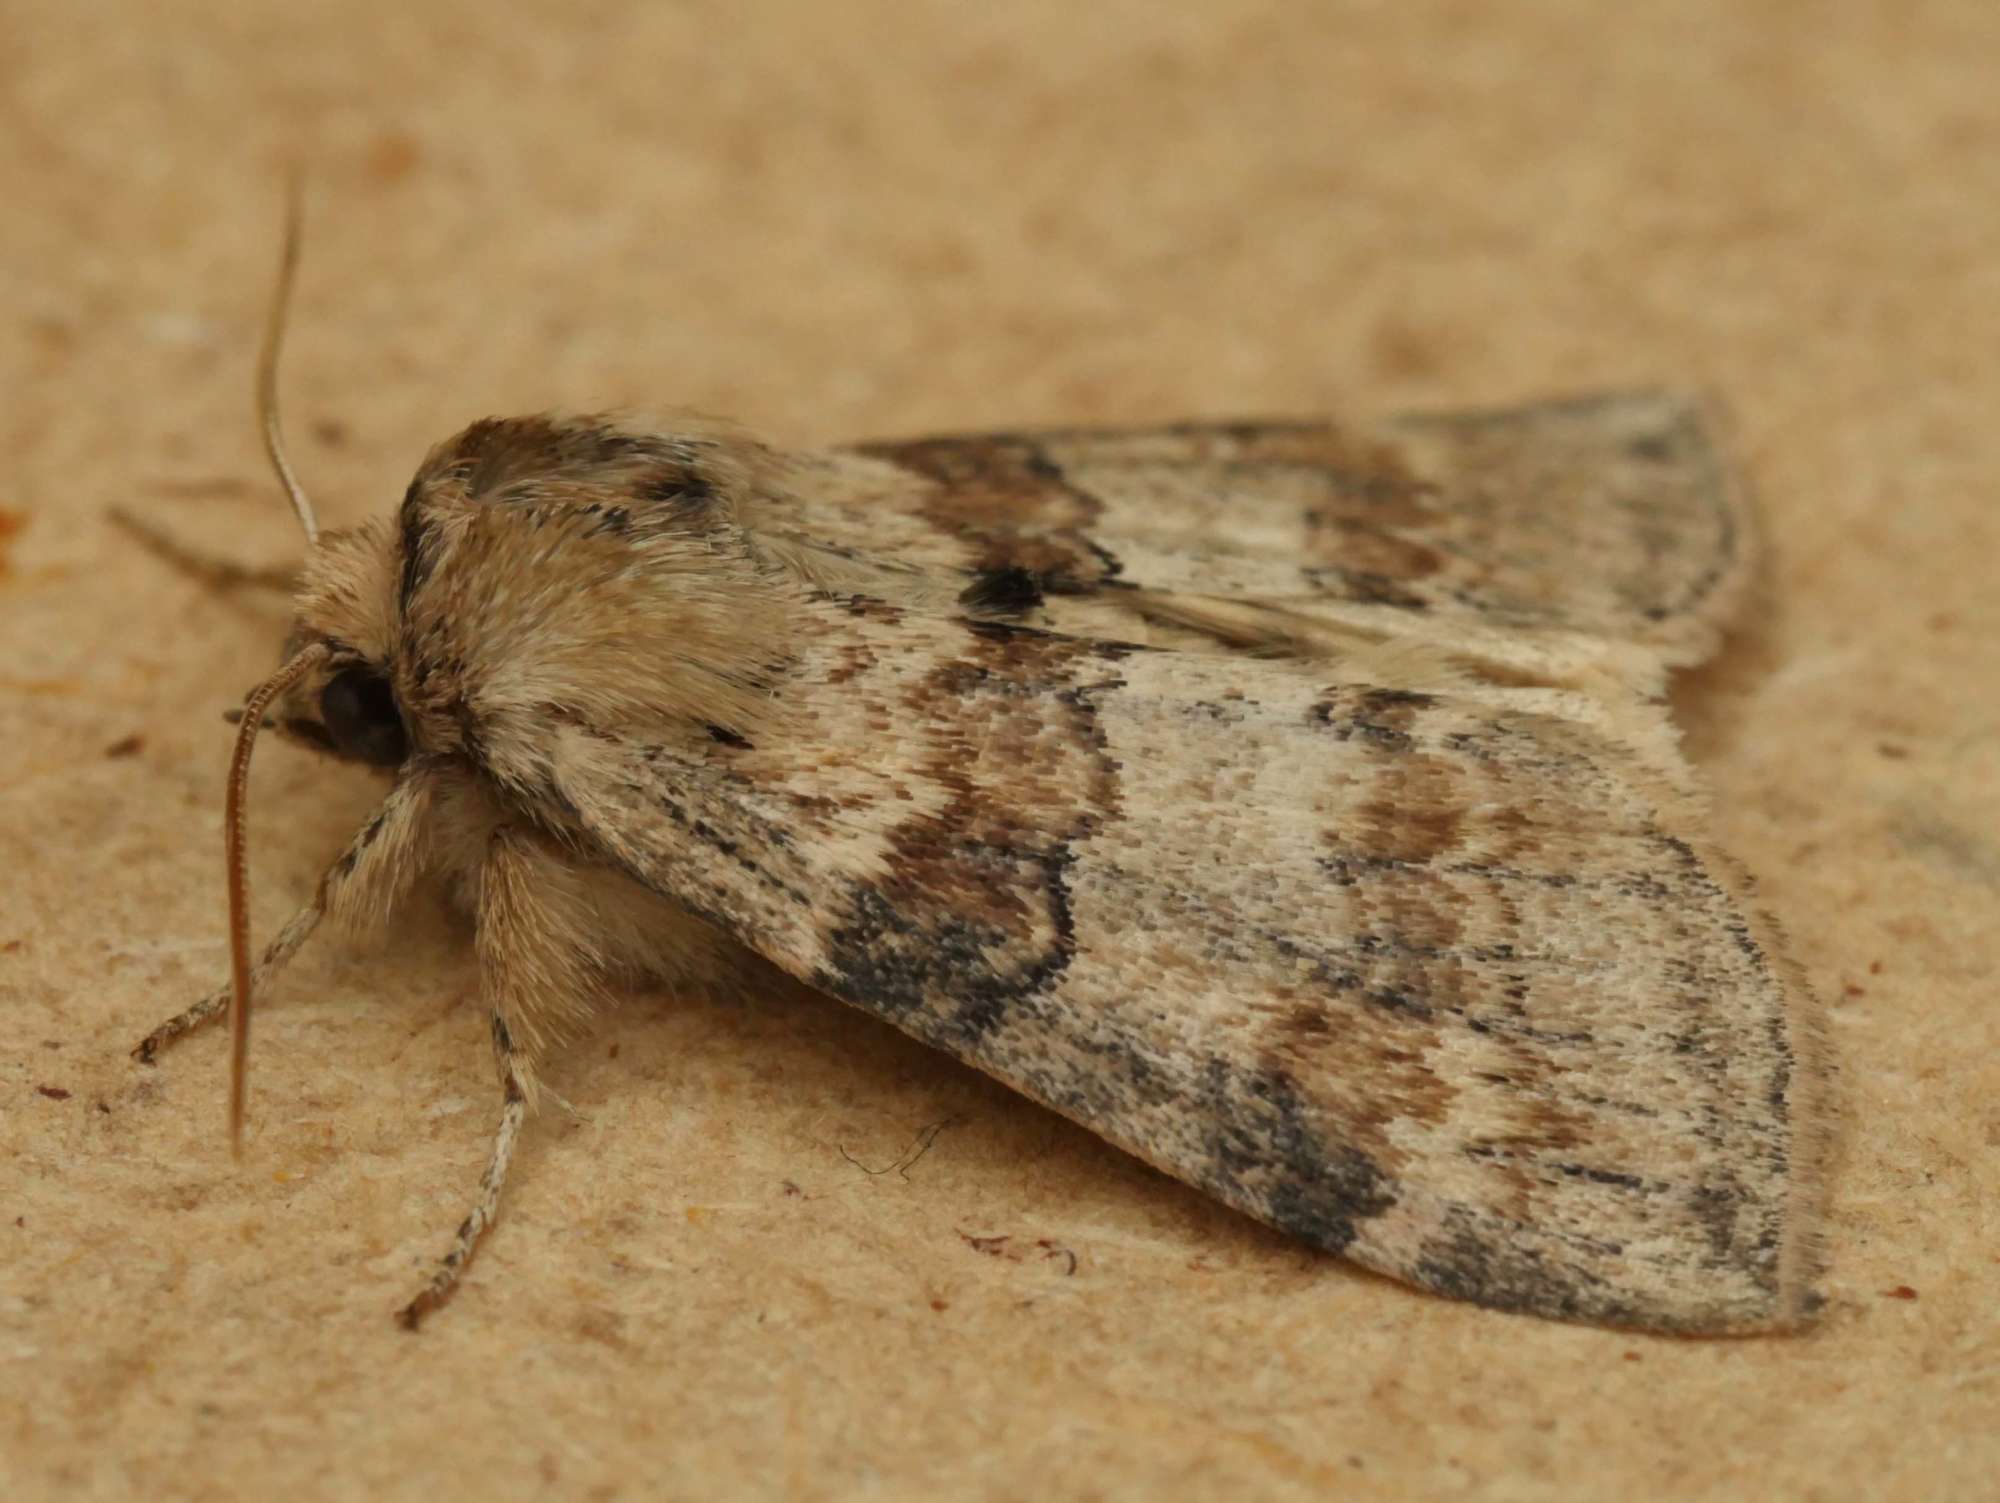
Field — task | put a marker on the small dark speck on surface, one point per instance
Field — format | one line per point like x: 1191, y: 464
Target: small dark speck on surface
x: 125, y: 746
x: 1946, y: 843
x: 11, y: 522
x: 53, y: 1092
x: 904, y: 1162
x: 1901, y: 1291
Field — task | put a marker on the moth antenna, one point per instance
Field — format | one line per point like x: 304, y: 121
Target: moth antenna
x: 267, y: 364
x: 260, y: 698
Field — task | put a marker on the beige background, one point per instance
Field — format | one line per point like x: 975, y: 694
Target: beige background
x: 866, y: 219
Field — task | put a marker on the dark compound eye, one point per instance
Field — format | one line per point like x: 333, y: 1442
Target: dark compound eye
x: 362, y: 721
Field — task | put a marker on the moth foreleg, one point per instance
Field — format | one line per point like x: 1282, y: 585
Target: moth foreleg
x: 540, y: 966
x: 365, y: 880
x: 298, y: 929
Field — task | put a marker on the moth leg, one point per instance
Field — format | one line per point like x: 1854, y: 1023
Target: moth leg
x: 297, y: 930
x: 513, y: 1111
x: 364, y: 881
x: 215, y: 572
x: 539, y: 968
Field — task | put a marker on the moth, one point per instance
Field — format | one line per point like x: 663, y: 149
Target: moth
x: 1293, y: 805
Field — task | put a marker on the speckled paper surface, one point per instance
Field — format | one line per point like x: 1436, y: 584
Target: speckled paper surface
x: 858, y: 220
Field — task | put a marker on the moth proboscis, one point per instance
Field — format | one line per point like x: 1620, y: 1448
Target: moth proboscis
x: 1291, y: 804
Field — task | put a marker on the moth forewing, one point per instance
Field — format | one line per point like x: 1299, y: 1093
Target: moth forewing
x: 1420, y: 978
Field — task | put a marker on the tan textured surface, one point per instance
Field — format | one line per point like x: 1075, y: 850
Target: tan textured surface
x: 869, y: 219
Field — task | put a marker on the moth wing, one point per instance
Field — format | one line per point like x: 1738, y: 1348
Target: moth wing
x: 1613, y: 516
x: 1444, y: 982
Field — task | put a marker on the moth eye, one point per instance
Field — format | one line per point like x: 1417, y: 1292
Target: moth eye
x: 361, y: 717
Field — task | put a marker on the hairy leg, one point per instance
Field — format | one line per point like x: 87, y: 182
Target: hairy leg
x: 541, y: 967
x: 367, y: 878
x: 298, y: 929
x: 513, y: 1111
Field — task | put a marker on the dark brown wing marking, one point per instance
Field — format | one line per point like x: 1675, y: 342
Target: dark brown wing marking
x: 1010, y: 501
x: 1613, y: 516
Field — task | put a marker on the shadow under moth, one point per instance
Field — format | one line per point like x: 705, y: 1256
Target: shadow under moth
x: 1292, y: 805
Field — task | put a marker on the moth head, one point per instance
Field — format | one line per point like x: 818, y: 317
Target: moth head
x: 345, y: 704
